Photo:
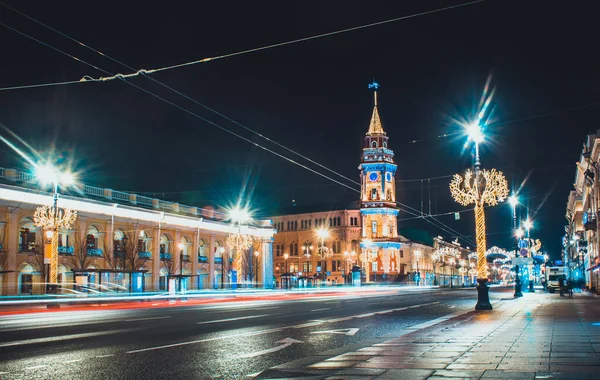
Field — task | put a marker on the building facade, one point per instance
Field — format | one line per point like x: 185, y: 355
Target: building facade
x: 125, y: 242
x: 581, y: 241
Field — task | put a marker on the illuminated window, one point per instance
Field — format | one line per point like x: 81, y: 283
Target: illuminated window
x: 374, y: 266
x: 374, y: 226
x: 373, y: 144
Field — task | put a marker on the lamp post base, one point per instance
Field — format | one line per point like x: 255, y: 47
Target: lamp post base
x: 531, y: 290
x: 518, y: 292
x: 483, y: 295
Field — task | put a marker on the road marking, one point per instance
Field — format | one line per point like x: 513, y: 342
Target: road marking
x: 286, y: 343
x: 36, y: 367
x: 63, y: 337
x: 105, y: 356
x: 323, y: 309
x: 73, y: 361
x: 234, y: 319
x: 349, y: 332
x: 224, y: 337
x: 309, y: 324
x: 146, y: 319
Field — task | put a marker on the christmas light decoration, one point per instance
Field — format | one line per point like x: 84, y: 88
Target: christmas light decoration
x: 46, y: 218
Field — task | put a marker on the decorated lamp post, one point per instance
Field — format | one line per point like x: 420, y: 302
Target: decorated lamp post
x: 323, y: 252
x: 484, y: 187
x: 239, y: 242
x: 51, y: 218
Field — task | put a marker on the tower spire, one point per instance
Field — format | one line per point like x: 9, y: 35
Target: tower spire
x: 375, y: 127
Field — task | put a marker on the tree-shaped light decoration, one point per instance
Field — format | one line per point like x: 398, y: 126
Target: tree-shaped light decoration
x: 239, y: 243
x: 45, y: 218
x: 489, y: 187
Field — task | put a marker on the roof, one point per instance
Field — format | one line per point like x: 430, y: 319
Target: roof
x: 375, y: 128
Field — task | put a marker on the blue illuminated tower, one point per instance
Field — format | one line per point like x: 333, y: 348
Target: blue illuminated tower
x: 380, y: 244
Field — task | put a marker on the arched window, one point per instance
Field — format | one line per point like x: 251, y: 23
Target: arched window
x: 27, y: 234
x: 143, y: 242
x: 354, y: 246
x: 373, y: 144
x: 183, y: 245
x: 385, y: 144
x: 118, y: 241
x: 201, y: 246
x: 339, y: 221
x: 164, y: 244
x: 388, y: 194
x: 373, y: 193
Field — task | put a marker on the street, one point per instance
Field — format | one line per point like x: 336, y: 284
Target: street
x: 231, y: 340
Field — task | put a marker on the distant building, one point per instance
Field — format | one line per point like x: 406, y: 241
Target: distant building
x: 580, y: 243
x: 170, y: 241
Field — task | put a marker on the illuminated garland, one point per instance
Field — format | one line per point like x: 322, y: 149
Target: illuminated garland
x: 44, y: 218
x: 489, y: 187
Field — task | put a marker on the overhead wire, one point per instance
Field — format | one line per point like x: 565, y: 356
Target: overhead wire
x: 434, y: 221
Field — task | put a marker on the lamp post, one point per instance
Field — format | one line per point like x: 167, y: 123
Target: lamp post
x: 417, y: 255
x: 479, y: 188
x: 51, y: 218
x: 222, y: 251
x: 514, y: 201
x: 528, y: 225
x: 307, y: 249
x: 285, y: 272
x: 323, y: 252
x: 239, y: 242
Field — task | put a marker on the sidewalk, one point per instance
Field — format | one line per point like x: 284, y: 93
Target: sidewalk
x: 539, y: 336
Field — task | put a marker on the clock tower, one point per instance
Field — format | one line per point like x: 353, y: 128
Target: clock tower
x: 380, y: 244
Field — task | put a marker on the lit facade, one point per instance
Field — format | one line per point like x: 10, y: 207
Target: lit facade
x: 581, y: 241
x: 297, y: 237
x: 124, y: 241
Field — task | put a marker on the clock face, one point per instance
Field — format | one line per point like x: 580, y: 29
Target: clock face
x: 388, y: 177
x: 373, y: 176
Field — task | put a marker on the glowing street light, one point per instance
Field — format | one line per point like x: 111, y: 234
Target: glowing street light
x: 239, y: 215
x: 513, y: 200
x: 51, y: 218
x: 528, y: 225
x: 480, y: 188
x: 519, y: 233
x: 418, y: 255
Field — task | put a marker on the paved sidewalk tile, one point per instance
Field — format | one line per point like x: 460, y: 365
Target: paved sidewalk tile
x: 539, y: 336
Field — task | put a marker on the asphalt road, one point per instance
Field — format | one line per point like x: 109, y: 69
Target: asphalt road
x: 223, y: 341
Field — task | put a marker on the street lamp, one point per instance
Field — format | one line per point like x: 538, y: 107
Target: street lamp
x: 286, y: 272
x: 323, y: 252
x: 51, y: 218
x: 307, y: 249
x: 239, y: 242
x: 222, y: 252
x: 479, y: 188
x: 528, y: 225
x: 513, y: 200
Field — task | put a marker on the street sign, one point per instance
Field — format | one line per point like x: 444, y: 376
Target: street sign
x: 318, y: 269
x: 523, y: 261
x: 328, y: 273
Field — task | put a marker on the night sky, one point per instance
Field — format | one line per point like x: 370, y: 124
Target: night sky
x: 312, y: 97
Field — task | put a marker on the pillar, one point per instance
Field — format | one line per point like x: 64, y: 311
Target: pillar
x: 386, y: 261
x: 194, y: 258
x: 156, y: 259
x: 211, y: 261
x: 12, y: 242
x: 266, y: 264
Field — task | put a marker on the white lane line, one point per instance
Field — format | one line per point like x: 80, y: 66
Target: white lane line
x: 234, y: 319
x: 73, y: 361
x: 63, y: 337
x: 36, y: 367
x: 323, y: 309
x: 224, y: 337
x: 147, y: 319
x: 105, y: 356
x: 286, y: 343
x: 308, y: 324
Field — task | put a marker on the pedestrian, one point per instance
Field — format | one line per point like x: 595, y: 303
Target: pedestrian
x: 570, y: 288
x: 561, y: 287
x: 544, y: 283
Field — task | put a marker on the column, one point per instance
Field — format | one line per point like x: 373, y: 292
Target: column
x: 156, y: 259
x: 194, y: 258
x: 386, y: 261
x: 266, y: 264
x: 211, y: 261
x: 12, y: 248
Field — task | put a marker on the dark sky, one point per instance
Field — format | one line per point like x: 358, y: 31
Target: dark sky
x: 542, y: 57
